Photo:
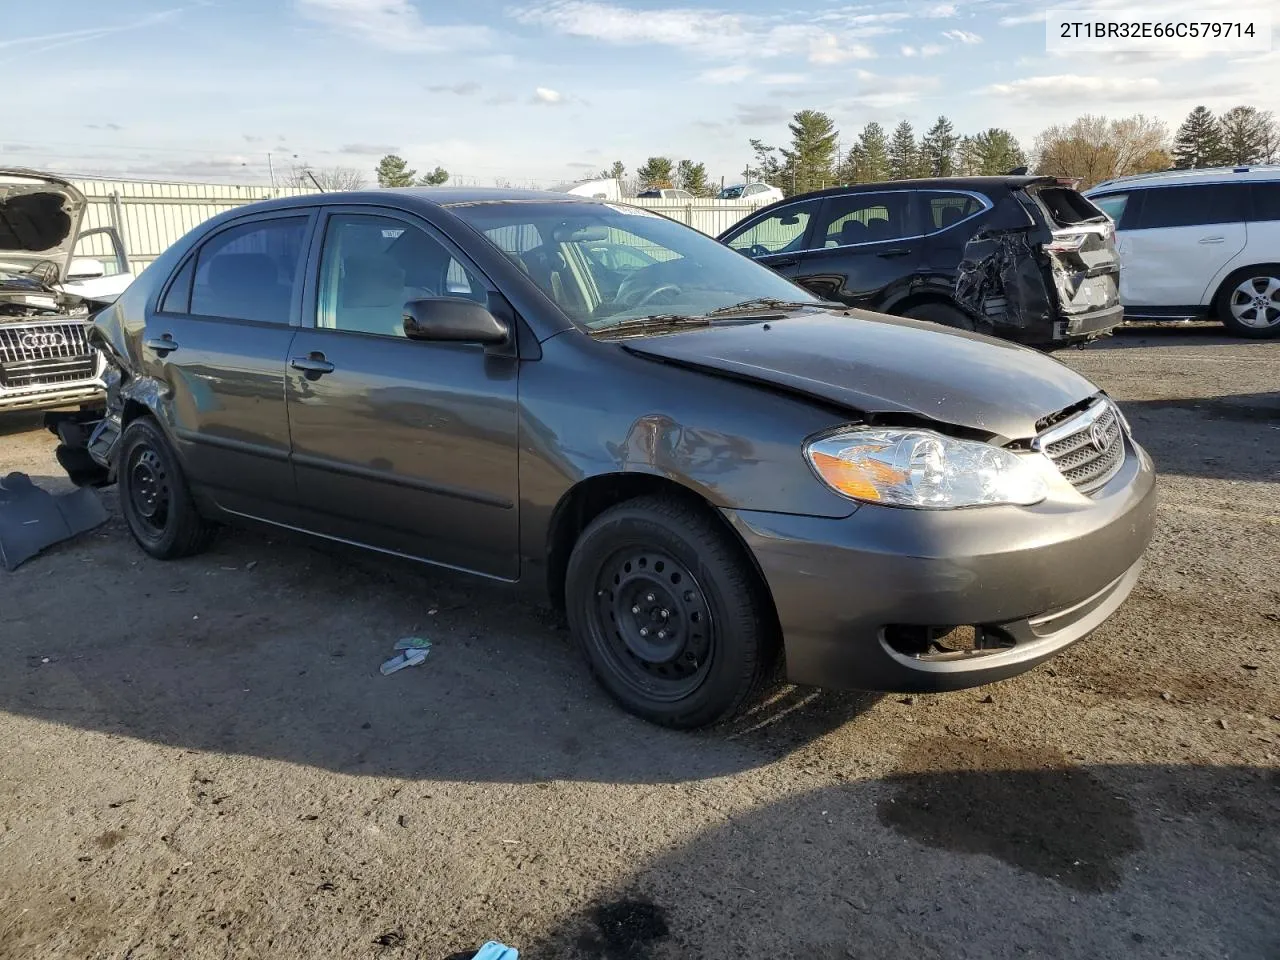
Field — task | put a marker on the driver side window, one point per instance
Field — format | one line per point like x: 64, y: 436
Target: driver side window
x: 780, y: 232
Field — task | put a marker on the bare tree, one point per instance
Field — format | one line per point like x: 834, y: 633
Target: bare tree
x: 328, y: 179
x: 1093, y: 148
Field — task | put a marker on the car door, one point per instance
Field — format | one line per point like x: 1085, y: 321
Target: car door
x: 400, y: 444
x: 1173, y: 241
x: 864, y: 248
x: 219, y: 338
x: 776, y: 237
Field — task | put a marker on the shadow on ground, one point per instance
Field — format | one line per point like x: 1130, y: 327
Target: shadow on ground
x: 1230, y: 437
x: 1133, y: 861
x: 270, y: 647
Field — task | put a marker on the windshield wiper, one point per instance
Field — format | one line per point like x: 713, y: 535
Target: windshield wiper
x: 655, y: 322
x: 769, y: 303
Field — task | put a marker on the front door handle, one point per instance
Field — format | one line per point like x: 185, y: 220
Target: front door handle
x: 162, y: 345
x: 785, y: 262
x: 894, y: 252
x: 1213, y: 239
x: 313, y: 365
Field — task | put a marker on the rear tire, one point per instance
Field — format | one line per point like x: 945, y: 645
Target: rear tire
x: 1249, y: 302
x: 947, y: 316
x: 154, y: 496
x: 670, y: 615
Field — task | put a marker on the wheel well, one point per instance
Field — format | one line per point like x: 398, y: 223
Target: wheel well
x: 919, y: 299
x: 133, y: 409
x: 593, y: 496
x: 1215, y: 304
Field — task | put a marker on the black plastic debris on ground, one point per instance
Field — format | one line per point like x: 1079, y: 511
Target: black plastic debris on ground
x: 32, y: 519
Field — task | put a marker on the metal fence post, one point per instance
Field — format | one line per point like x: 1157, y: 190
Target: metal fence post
x: 688, y: 214
x: 117, y: 221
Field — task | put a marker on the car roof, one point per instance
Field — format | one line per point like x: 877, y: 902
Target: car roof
x: 981, y: 184
x: 1171, y: 178
x: 433, y: 196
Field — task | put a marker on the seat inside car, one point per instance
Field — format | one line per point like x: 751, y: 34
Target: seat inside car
x: 244, y: 285
x: 853, y: 231
x: 372, y: 295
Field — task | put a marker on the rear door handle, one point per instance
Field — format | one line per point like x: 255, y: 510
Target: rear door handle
x: 314, y: 365
x: 894, y: 252
x: 1213, y: 239
x: 162, y: 345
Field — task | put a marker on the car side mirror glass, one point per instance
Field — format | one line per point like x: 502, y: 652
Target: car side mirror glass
x: 86, y: 268
x: 452, y: 320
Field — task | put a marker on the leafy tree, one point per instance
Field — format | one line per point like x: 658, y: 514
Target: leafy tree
x: 392, y: 171
x: 1093, y: 148
x: 435, y: 178
x: 693, y: 177
x: 996, y: 151
x: 1198, y: 142
x: 904, y: 159
x: 656, y: 173
x: 616, y: 172
x: 767, y: 168
x: 810, y: 163
x: 938, y: 149
x: 328, y: 179
x: 1249, y: 135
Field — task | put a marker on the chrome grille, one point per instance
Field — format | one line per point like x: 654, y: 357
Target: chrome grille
x: 1087, y: 448
x: 45, y: 354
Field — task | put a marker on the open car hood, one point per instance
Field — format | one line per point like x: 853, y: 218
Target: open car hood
x: 879, y: 365
x: 40, y: 218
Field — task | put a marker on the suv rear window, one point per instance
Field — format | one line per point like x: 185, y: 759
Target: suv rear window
x: 1064, y: 206
x: 1266, y: 200
x: 1192, y: 206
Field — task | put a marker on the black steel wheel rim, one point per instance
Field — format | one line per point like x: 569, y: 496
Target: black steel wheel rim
x: 150, y: 493
x: 652, y: 622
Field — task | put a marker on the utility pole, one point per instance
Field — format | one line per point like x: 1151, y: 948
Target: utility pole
x: 271, y: 171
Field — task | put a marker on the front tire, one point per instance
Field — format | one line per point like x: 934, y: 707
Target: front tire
x: 1249, y: 304
x: 154, y: 497
x: 670, y: 615
x: 947, y: 316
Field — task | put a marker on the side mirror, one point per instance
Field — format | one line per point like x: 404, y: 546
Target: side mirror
x: 452, y: 320
x: 86, y: 268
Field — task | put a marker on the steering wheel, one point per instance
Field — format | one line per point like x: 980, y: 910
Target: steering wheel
x: 659, y: 289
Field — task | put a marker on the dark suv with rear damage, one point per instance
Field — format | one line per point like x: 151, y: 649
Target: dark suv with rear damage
x: 1025, y: 258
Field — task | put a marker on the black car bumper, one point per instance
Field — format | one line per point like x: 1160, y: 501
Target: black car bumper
x: 859, y: 599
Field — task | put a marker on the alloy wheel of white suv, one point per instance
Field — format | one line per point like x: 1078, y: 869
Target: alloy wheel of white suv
x: 1251, y: 304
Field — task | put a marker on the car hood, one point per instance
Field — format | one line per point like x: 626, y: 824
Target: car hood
x: 40, y: 218
x: 876, y: 365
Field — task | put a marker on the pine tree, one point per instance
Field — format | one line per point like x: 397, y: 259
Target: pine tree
x: 996, y: 151
x: 1198, y: 142
x: 967, y: 159
x: 903, y: 156
x: 938, y: 149
x: 810, y: 163
x: 1249, y: 135
x: 435, y: 178
x: 616, y: 172
x: 656, y: 173
x: 392, y: 171
x: 767, y: 168
x: 873, y: 154
x: 692, y: 177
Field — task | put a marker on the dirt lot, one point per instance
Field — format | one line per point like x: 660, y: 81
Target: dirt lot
x: 200, y: 759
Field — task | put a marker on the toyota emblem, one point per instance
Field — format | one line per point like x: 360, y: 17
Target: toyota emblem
x: 43, y: 341
x: 1098, y: 434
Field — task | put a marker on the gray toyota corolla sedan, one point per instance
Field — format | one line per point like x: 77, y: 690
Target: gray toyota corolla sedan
x: 705, y: 465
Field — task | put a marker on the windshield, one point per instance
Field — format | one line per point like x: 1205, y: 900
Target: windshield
x: 604, y: 264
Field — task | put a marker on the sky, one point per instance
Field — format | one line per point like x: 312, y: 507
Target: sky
x: 541, y: 91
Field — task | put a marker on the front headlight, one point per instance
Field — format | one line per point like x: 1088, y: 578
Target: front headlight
x: 921, y: 468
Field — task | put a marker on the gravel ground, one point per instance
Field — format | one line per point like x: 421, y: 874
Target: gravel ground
x: 201, y: 760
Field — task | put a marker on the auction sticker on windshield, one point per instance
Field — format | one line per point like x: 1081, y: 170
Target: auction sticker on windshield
x: 1108, y: 31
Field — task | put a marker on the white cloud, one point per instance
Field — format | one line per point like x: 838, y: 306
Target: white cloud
x: 908, y: 50
x: 393, y: 25
x: 1017, y: 20
x: 941, y: 10
x: 777, y: 79
x: 931, y: 49
x: 548, y: 96
x: 65, y: 38
x: 710, y: 33
x: 877, y: 92
x: 962, y: 36
x: 719, y: 75
x: 1070, y: 87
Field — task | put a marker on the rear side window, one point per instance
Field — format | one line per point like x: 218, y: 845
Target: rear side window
x: 1112, y: 205
x: 1266, y: 200
x: 177, y: 299
x: 250, y: 272
x: 947, y: 209
x: 1192, y: 206
x: 866, y: 218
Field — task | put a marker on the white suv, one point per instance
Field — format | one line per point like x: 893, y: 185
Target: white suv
x: 1199, y: 243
